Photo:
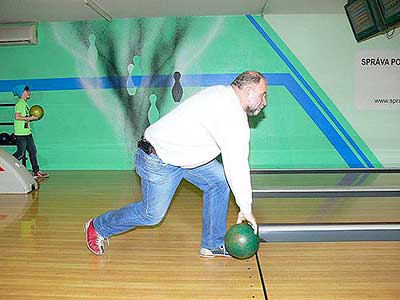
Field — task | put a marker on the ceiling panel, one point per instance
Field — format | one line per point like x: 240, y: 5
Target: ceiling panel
x: 12, y: 11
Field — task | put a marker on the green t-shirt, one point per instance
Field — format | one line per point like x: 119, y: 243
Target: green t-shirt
x: 19, y: 125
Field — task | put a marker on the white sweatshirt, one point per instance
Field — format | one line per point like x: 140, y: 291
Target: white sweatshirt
x: 208, y: 123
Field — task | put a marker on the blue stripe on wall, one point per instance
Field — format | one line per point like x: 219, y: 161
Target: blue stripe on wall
x: 164, y: 81
x: 323, y: 124
x: 203, y: 80
x: 312, y: 92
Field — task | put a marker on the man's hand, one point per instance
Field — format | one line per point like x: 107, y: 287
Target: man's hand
x: 249, y: 217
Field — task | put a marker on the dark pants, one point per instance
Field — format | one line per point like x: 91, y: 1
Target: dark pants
x: 25, y: 142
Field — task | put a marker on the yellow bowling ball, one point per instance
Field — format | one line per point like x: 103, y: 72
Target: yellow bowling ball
x: 37, y: 111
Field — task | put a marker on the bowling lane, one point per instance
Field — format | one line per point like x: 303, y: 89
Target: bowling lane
x: 276, y: 184
x: 44, y: 256
x: 327, y: 210
x: 334, y: 270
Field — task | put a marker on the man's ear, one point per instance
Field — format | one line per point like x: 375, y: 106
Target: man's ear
x: 247, y: 90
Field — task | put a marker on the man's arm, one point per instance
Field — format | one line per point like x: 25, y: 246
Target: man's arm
x: 238, y: 175
x: 234, y: 145
x: 18, y: 116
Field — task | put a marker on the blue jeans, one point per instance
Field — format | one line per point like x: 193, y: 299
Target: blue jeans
x: 159, y: 183
x: 26, y: 142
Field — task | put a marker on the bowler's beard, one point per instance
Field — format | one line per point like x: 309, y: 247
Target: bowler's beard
x: 254, y: 111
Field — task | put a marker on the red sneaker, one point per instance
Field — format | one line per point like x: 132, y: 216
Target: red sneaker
x: 40, y: 174
x: 94, y: 241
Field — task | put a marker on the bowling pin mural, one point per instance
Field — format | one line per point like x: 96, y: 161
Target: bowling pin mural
x: 133, y: 70
x: 130, y: 85
x: 153, y: 114
x: 177, y: 90
x: 92, y: 53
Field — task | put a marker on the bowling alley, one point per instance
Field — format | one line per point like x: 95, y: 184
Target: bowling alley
x: 200, y: 149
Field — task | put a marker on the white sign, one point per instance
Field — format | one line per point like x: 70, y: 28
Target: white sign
x: 377, y: 80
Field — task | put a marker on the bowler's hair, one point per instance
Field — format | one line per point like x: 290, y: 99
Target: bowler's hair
x: 246, y: 78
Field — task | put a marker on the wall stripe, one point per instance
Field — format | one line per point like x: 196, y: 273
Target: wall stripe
x: 195, y: 80
x: 323, y: 124
x: 311, y: 91
x: 163, y: 81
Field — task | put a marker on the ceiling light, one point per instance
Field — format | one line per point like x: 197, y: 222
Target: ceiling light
x: 98, y: 10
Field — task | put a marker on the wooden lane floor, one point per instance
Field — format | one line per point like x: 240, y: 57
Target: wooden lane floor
x: 44, y: 256
x: 334, y: 270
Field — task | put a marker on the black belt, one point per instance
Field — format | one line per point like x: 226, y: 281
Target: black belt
x: 146, y: 146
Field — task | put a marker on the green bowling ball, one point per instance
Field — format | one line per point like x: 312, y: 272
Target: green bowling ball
x: 37, y: 111
x: 241, y: 242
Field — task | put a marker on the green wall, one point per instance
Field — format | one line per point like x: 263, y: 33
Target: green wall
x: 94, y: 117
x: 325, y: 46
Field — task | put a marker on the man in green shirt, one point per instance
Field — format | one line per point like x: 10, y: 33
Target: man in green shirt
x: 22, y: 130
